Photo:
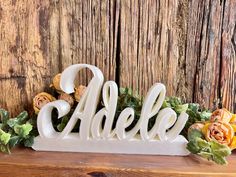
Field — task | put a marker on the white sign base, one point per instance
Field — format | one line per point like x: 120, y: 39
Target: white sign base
x: 73, y: 144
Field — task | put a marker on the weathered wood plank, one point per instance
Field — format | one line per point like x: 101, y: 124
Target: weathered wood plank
x: 210, y: 54
x: 89, y: 34
x: 26, y: 162
x: 228, y: 56
x: 188, y: 45
x: 184, y: 44
x: 28, y: 50
x: 153, y: 35
x: 208, y: 46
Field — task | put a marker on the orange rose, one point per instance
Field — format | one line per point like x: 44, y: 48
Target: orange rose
x: 222, y: 115
x: 221, y: 132
x: 40, y: 100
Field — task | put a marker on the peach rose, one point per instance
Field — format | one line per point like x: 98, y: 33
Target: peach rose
x: 233, y: 119
x: 56, y: 83
x: 233, y: 122
x: 79, y: 91
x: 40, y: 100
x: 222, y: 115
x: 68, y: 98
x: 221, y: 132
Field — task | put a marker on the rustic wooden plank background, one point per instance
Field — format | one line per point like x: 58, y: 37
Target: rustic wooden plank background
x: 188, y: 45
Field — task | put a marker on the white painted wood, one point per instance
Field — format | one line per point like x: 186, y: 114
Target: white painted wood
x: 162, y: 139
x: 133, y: 146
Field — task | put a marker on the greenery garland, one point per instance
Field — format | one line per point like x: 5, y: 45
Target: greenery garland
x: 210, y: 135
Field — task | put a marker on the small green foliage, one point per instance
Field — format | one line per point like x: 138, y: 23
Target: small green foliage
x: 14, y: 140
x: 4, y: 137
x: 194, y: 134
x: 4, y: 117
x: 14, y: 131
x: 176, y: 104
x: 29, y: 141
x: 63, y: 123
x: 23, y: 130
x: 127, y: 98
x: 196, y: 114
x: 20, y: 119
x: 212, y: 150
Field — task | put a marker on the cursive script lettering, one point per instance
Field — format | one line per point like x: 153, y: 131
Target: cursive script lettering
x: 167, y: 126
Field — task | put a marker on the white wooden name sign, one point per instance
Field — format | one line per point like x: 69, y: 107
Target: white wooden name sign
x: 162, y: 139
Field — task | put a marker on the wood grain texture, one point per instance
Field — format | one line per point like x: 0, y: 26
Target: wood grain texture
x: 89, y: 35
x: 228, y: 56
x: 205, y: 50
x: 28, y: 51
x: 210, y: 53
x: 26, y: 162
x: 152, y: 45
x: 188, y: 45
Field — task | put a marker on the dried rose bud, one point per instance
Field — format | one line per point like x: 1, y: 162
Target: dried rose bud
x: 79, y: 91
x: 221, y: 132
x: 68, y: 98
x: 233, y: 119
x: 196, y: 126
x: 233, y: 124
x: 222, y: 115
x: 56, y: 82
x: 40, y: 100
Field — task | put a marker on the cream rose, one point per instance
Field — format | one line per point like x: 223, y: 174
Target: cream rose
x: 40, y: 100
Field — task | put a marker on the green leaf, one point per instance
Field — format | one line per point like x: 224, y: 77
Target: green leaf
x: 212, y: 150
x: 23, y: 130
x: 122, y: 90
x: 5, y: 149
x: 63, y: 123
x: 194, y: 107
x: 220, y: 149
x: 219, y: 159
x: 193, y: 134
x: 29, y: 141
x: 20, y: 119
x: 206, y: 155
x: 4, y: 115
x: 181, y: 108
x: 205, y: 115
x: 203, y: 144
x: 14, y: 131
x: 166, y: 104
x: 12, y: 122
x: 4, y: 137
x: 14, y: 141
x: 22, y: 116
x: 192, y: 147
